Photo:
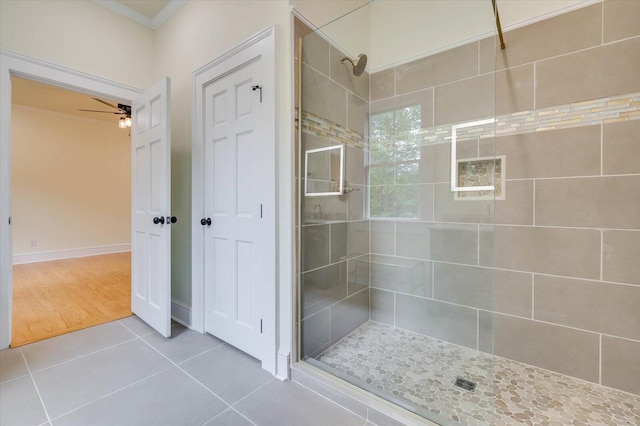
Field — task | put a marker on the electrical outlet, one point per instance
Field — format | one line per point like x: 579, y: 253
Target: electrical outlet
x: 33, y: 243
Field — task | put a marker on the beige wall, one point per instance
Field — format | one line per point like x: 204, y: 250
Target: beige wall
x: 87, y: 37
x: 71, y: 182
x: 197, y: 34
x: 80, y: 35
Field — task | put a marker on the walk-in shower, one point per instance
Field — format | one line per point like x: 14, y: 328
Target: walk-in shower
x: 434, y: 247
x: 396, y: 282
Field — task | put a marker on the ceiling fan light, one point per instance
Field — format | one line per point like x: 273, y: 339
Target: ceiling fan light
x: 122, y: 123
x: 127, y: 122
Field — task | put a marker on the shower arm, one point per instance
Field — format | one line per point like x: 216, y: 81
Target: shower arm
x: 495, y: 11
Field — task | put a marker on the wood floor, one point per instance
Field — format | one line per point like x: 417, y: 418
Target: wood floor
x: 53, y: 298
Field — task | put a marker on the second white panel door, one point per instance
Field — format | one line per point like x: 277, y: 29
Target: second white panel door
x: 235, y: 239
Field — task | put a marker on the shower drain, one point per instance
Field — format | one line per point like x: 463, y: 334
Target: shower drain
x: 465, y: 384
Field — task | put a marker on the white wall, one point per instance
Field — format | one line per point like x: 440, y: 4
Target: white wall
x: 80, y: 35
x: 71, y: 182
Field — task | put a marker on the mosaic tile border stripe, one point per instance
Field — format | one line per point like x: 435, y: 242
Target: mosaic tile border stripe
x: 605, y: 110
x: 318, y: 126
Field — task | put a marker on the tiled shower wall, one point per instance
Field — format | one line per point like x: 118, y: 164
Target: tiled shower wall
x: 566, y: 246
x: 334, y: 237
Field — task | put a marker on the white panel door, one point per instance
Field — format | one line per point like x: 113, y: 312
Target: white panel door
x: 151, y: 206
x: 235, y: 242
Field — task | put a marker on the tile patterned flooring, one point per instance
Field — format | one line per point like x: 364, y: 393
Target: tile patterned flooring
x: 124, y: 373
x: 422, y: 371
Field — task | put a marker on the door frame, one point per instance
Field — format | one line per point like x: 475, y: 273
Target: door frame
x: 15, y: 64
x: 260, y: 45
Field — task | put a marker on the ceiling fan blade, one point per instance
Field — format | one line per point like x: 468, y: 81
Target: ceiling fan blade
x: 106, y: 103
x: 106, y: 112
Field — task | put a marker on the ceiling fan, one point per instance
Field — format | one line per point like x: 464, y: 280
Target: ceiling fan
x: 124, y: 111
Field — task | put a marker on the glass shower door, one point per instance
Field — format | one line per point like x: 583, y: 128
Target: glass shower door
x: 396, y: 272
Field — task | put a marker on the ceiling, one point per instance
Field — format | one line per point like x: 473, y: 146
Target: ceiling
x: 43, y: 96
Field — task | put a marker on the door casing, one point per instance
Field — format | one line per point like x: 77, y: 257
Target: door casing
x: 260, y: 45
x: 15, y: 64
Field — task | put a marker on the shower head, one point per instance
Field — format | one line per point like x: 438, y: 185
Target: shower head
x: 358, y: 65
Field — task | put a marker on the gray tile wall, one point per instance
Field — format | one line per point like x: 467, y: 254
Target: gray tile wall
x: 575, y: 279
x: 426, y: 273
x: 334, y: 235
x: 556, y: 282
x: 566, y: 245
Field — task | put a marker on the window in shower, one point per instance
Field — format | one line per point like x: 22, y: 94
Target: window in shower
x: 394, y: 158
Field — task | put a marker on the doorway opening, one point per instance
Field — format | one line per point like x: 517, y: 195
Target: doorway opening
x: 71, y: 212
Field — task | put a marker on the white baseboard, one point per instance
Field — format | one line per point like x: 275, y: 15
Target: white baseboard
x: 283, y: 369
x: 181, y: 313
x: 45, y: 256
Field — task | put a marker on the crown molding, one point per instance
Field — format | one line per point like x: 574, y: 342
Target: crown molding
x: 166, y: 13
x: 151, y: 23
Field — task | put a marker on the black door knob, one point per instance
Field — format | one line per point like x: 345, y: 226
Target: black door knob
x: 158, y: 220
x: 174, y: 219
x: 205, y: 221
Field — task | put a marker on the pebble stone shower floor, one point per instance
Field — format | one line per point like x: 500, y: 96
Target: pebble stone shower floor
x: 423, y: 370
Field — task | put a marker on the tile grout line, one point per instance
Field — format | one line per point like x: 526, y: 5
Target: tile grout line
x: 88, y: 354
x: 328, y: 77
x: 137, y: 337
x: 600, y: 359
x: 509, y: 270
x: 33, y: 380
x: 533, y: 297
x: 602, y: 23
x: 185, y: 372
x: 602, y: 255
x: 232, y: 407
x: 478, y: 245
x: 433, y: 106
x: 332, y: 401
x: 395, y: 237
x: 584, y: 330
x: 112, y: 393
x: 395, y: 304
x: 395, y: 81
x: 477, y: 329
x: 433, y: 279
x: 533, y: 204
x: 602, y: 148
x: 478, y: 61
x: 131, y: 330
x: 535, y: 85
x: 224, y: 411
x: 253, y: 391
x: 505, y: 313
